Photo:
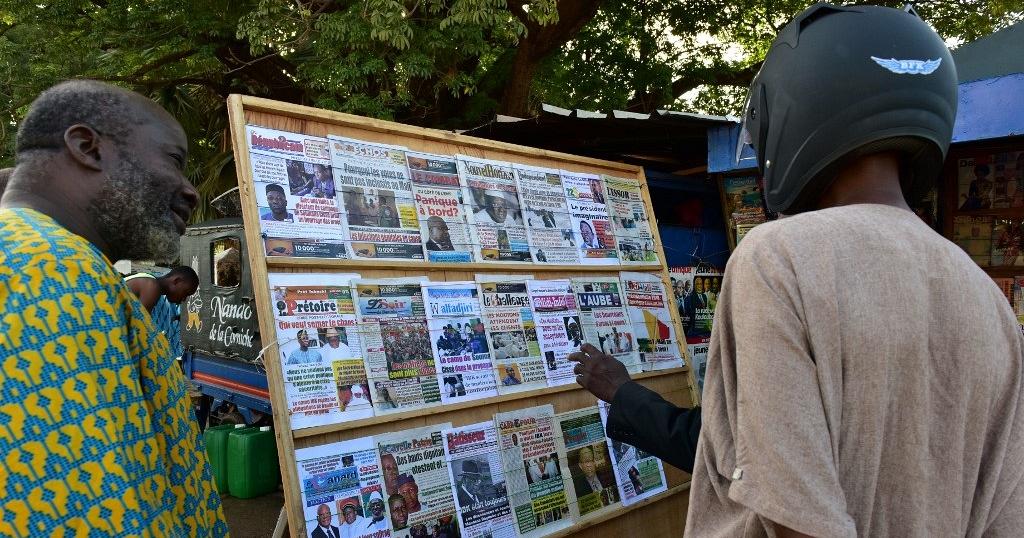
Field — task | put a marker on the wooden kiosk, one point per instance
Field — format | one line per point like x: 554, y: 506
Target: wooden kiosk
x: 662, y: 515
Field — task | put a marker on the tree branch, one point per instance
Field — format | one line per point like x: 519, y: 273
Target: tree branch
x: 717, y: 76
x: 164, y: 60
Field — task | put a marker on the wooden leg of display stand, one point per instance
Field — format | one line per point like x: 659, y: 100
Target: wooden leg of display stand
x: 281, y: 528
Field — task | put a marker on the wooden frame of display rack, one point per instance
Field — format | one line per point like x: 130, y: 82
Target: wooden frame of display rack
x: 661, y: 515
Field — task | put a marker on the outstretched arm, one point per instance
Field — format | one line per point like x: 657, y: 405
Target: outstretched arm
x: 639, y: 416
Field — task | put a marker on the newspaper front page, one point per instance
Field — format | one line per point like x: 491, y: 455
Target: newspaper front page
x: 511, y: 332
x: 696, y: 291
x: 633, y: 237
x: 639, y: 474
x: 321, y: 357
x: 396, y: 344
x: 548, y: 225
x: 606, y: 325
x: 416, y: 483
x: 440, y: 207
x: 378, y: 206
x: 478, y: 481
x: 648, y: 306
x: 496, y: 220
x: 459, y: 341
x: 532, y: 468
x: 342, y: 493
x: 559, y: 329
x: 590, y: 480
x: 588, y: 209
x: 298, y: 210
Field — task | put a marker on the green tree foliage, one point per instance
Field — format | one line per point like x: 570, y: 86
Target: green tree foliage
x: 437, y: 63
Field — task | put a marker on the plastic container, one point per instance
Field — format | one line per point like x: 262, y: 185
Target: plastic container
x: 216, y: 439
x: 252, y: 462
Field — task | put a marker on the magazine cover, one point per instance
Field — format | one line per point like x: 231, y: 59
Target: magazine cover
x: 511, y: 333
x: 606, y: 325
x: 633, y: 236
x: 321, y: 356
x: 1007, y: 237
x: 478, y: 481
x: 743, y: 203
x: 991, y: 181
x: 341, y: 490
x: 414, y: 471
x: 591, y: 479
x: 559, y: 328
x: 459, y: 341
x: 639, y: 475
x: 375, y: 190
x: 496, y: 221
x: 974, y: 235
x: 532, y: 468
x: 440, y: 207
x: 588, y: 210
x: 548, y: 224
x: 396, y: 344
x: 648, y: 305
x: 295, y: 197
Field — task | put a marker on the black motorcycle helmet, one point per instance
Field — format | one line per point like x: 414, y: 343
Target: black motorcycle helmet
x: 844, y: 82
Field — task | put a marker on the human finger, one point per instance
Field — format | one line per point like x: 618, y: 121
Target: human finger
x: 578, y: 356
x: 590, y: 350
x: 578, y: 369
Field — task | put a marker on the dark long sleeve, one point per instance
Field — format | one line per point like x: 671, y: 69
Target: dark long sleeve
x: 642, y: 418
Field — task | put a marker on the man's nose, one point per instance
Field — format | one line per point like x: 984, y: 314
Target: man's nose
x: 191, y: 195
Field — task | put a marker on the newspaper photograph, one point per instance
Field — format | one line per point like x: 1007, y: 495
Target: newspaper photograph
x: 459, y: 341
x: 639, y: 474
x: 478, y: 481
x: 511, y: 333
x: 633, y: 237
x: 590, y: 481
x: 588, y: 210
x: 321, y: 357
x: 440, y: 207
x: 496, y: 221
x: 416, y: 482
x: 378, y: 206
x: 295, y: 194
x: 548, y: 226
x: 396, y: 344
x: 533, y: 470
x: 606, y: 325
x: 648, y: 306
x: 342, y: 493
x: 559, y: 329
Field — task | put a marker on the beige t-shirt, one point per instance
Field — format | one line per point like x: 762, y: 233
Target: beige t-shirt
x: 864, y: 379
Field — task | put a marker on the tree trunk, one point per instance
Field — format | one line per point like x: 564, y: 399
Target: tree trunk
x: 539, y: 43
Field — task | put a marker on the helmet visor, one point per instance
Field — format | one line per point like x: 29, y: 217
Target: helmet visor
x: 744, y: 140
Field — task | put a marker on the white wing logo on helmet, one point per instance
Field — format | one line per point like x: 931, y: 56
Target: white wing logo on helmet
x: 909, y: 67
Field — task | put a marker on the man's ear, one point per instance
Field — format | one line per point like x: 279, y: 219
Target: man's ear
x: 84, y: 145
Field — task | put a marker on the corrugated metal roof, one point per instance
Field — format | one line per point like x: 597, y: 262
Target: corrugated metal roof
x: 666, y: 140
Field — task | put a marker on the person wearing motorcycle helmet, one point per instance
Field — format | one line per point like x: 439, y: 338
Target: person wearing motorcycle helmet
x: 864, y: 375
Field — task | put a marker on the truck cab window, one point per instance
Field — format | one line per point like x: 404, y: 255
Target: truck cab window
x: 226, y: 256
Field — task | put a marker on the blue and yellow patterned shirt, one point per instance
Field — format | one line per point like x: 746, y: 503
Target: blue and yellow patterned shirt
x: 96, y: 429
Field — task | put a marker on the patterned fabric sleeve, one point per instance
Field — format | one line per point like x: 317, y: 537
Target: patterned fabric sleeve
x: 95, y: 429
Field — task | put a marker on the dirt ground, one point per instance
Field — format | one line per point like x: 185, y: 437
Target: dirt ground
x: 253, y: 518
